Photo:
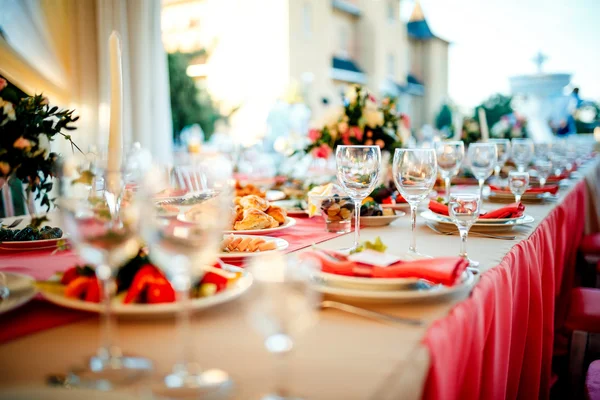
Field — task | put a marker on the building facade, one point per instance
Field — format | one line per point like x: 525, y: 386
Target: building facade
x: 257, y: 49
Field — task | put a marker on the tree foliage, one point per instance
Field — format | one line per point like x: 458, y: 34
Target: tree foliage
x: 444, y: 118
x: 497, y: 106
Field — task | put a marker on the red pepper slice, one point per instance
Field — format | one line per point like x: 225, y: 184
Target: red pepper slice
x: 388, y: 200
x: 160, y: 291
x: 78, y: 287
x: 219, y: 281
x: 93, y: 291
x: 69, y: 275
x: 140, y: 283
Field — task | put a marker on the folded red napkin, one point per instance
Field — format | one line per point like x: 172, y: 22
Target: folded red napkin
x: 552, y: 189
x: 444, y: 270
x: 513, y: 210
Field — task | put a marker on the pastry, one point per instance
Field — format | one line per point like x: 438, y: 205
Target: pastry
x: 234, y: 243
x: 255, y: 219
x: 277, y: 213
x: 254, y: 202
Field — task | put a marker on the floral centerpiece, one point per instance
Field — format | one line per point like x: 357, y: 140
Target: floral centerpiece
x: 27, y: 126
x: 509, y: 126
x: 360, y: 121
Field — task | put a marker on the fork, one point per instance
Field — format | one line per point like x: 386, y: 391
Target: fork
x: 487, y: 235
x: 361, y: 312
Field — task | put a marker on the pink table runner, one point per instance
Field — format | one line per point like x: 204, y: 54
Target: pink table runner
x: 498, y: 343
x: 40, y: 315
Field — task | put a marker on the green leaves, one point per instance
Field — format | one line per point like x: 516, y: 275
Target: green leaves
x: 86, y: 177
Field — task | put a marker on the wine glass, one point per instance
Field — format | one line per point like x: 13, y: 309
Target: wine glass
x: 464, y: 209
x: 101, y: 217
x: 522, y: 153
x: 415, y: 172
x: 358, y: 171
x: 543, y: 150
x: 544, y: 169
x: 503, y: 146
x: 518, y: 183
x: 483, y: 158
x: 449, y: 159
x: 558, y: 164
x: 281, y: 305
x: 200, y: 185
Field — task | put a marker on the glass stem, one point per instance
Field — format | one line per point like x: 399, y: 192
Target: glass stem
x: 281, y: 374
x: 413, y: 215
x: 481, y: 182
x: 357, y: 204
x: 183, y: 322
x: 447, y: 182
x: 517, y: 198
x: 463, y: 242
x: 107, y: 282
x: 542, y: 182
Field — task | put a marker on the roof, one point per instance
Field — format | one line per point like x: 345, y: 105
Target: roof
x: 346, y: 70
x: 413, y: 86
x: 346, y: 7
x: 345, y: 64
x: 410, y: 78
x: 417, y: 25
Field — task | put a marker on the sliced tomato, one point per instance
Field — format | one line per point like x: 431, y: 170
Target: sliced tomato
x: 388, y: 200
x: 160, y: 291
x: 93, y: 291
x: 77, y: 288
x: 219, y: 281
x: 140, y: 283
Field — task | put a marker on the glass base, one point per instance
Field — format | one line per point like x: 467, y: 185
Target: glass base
x: 183, y: 384
x: 279, y: 397
x: 338, y: 226
x: 415, y: 255
x: 473, y: 263
x: 104, y: 373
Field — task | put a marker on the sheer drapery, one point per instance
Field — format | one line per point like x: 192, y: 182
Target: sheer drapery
x: 60, y: 47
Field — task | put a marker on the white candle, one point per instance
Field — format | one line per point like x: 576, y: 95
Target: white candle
x: 485, y: 133
x: 458, y: 126
x: 115, y: 138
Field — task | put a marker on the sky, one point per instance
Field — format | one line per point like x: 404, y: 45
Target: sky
x: 492, y: 40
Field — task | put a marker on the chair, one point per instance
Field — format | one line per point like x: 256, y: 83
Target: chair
x: 592, y: 381
x: 583, y: 319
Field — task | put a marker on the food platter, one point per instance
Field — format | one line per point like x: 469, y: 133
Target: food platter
x: 280, y: 244
x: 289, y: 222
x: 379, y: 220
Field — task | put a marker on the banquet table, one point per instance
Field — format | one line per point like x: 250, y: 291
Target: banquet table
x: 495, y: 342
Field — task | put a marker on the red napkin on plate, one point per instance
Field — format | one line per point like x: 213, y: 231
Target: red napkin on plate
x: 552, y: 189
x: 513, y: 210
x: 444, y: 270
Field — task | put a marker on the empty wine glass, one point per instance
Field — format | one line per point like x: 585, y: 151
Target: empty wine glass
x: 281, y: 305
x: 558, y: 164
x: 543, y: 150
x: 503, y: 146
x: 464, y: 209
x: 102, y: 221
x: 482, y: 158
x: 415, y: 172
x: 358, y: 171
x: 518, y: 183
x: 544, y: 169
x: 522, y: 153
x: 449, y: 159
x: 200, y: 185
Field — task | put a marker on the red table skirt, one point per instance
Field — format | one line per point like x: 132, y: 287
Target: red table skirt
x: 498, y: 343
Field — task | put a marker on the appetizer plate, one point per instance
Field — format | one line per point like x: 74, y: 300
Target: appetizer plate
x: 21, y: 290
x: 381, y: 220
x: 280, y: 243
x: 274, y: 195
x: 291, y: 207
x: 289, y: 222
x: 481, y: 225
x: 419, y: 291
x: 397, y: 206
x: 153, y: 310
x: 30, y: 245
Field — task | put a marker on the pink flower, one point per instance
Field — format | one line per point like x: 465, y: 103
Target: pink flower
x: 372, y: 98
x: 405, y: 120
x: 314, y: 135
x: 346, y: 138
x: 22, y: 143
x: 3, y: 83
x: 357, y: 133
x: 322, y: 151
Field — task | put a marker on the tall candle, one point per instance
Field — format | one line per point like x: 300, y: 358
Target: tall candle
x: 115, y: 138
x: 458, y: 126
x: 485, y: 133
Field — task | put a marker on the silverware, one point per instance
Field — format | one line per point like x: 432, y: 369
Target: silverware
x: 471, y: 233
x: 15, y: 223
x: 361, y: 312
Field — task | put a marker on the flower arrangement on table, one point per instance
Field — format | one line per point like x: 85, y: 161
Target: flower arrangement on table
x: 360, y: 121
x: 510, y: 126
x: 27, y: 126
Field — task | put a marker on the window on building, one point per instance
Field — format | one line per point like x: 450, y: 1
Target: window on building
x: 307, y: 19
x: 391, y: 11
x: 391, y: 65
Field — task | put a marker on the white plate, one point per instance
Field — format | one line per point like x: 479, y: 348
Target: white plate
x: 21, y: 290
x: 46, y: 393
x: 197, y: 304
x: 290, y: 207
x: 289, y: 222
x: 381, y: 220
x: 480, y: 225
x: 397, y: 206
x: 280, y: 243
x: 421, y: 292
x: 30, y: 245
x: 525, y: 197
x: 274, y: 195
x: 480, y: 221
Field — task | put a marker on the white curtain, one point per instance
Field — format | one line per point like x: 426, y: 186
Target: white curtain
x: 60, y: 47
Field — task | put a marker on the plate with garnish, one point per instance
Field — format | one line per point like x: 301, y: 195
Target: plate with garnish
x: 236, y: 246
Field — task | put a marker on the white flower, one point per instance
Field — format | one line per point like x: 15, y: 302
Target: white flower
x: 8, y: 110
x: 331, y: 117
x: 351, y: 95
x: 373, y: 118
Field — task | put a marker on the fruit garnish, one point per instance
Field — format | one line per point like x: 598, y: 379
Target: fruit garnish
x: 377, y: 245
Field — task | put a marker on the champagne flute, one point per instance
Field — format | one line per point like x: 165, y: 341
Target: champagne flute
x: 202, y: 185
x: 449, y: 159
x: 358, y: 171
x: 102, y: 221
x: 522, y: 153
x: 544, y: 169
x: 415, y: 171
x: 503, y: 146
x: 483, y: 158
x: 518, y: 183
x: 281, y: 305
x: 464, y: 209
